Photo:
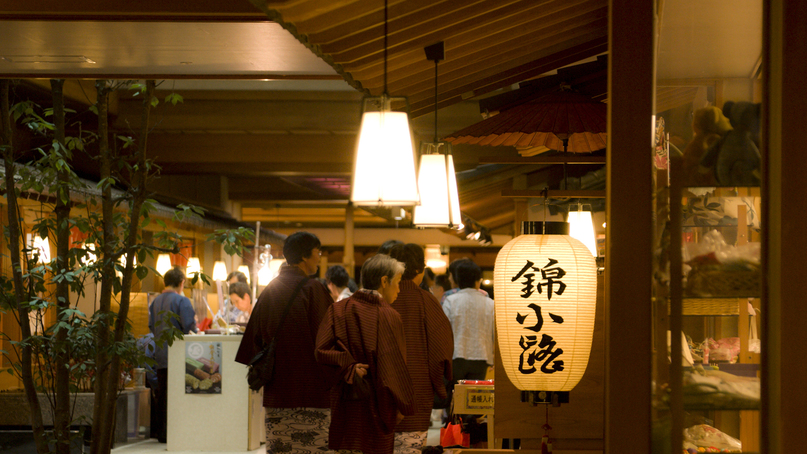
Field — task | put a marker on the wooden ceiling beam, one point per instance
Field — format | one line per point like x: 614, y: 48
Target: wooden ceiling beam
x: 249, y: 149
x: 545, y: 160
x: 151, y: 10
x: 255, y: 168
x: 256, y: 114
x: 484, y: 181
x: 555, y: 193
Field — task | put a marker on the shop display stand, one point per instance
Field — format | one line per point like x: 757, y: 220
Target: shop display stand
x: 718, y: 312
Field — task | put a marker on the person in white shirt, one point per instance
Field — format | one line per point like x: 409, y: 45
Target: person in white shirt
x: 337, y: 279
x: 471, y: 316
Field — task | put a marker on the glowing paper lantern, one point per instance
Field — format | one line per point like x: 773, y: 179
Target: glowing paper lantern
x: 546, y: 296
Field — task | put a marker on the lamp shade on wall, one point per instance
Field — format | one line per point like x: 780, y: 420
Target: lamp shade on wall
x: 437, y: 183
x: 582, y: 228
x: 384, y: 167
x: 163, y: 263
x: 546, y: 295
x: 244, y: 269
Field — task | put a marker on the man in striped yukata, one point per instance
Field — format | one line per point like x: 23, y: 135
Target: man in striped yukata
x: 429, y: 347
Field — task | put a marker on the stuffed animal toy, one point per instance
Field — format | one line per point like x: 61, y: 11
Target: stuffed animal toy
x: 709, y: 125
x: 736, y: 157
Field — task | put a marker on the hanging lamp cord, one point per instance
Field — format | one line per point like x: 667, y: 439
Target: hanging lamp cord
x: 435, y: 100
x: 386, y: 18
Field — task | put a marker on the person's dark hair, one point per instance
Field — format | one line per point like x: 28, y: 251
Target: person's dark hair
x: 337, y: 275
x: 442, y: 281
x: 428, y: 279
x: 378, y: 266
x: 389, y: 244
x: 352, y: 286
x: 467, y: 273
x: 428, y: 273
x: 412, y: 256
x: 174, y: 277
x: 238, y: 275
x: 298, y: 246
x: 452, y: 267
x: 240, y: 289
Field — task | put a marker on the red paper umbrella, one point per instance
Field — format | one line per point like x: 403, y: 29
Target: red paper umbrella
x: 562, y: 120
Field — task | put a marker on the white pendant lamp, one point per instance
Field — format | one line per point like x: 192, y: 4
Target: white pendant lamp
x: 437, y: 180
x: 219, y: 271
x: 42, y: 245
x: 582, y: 228
x: 546, y: 296
x: 163, y: 264
x: 384, y: 165
x: 193, y: 267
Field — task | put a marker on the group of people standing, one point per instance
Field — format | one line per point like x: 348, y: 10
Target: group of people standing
x: 360, y: 372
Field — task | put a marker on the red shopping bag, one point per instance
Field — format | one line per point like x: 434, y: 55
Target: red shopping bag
x: 452, y: 435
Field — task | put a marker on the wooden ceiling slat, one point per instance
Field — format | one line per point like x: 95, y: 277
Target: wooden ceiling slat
x: 529, y: 24
x: 313, y: 14
x: 482, y: 83
x: 419, y: 29
x: 368, y: 19
x: 515, y: 51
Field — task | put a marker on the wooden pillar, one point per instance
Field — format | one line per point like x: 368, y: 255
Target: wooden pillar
x: 784, y: 215
x: 348, y: 259
x: 628, y: 256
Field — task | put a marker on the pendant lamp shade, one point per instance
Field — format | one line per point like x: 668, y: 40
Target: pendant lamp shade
x: 582, y: 228
x: 193, y: 267
x: 219, y: 271
x: 384, y: 167
x: 163, y: 263
x: 244, y: 269
x: 546, y: 294
x: 437, y: 182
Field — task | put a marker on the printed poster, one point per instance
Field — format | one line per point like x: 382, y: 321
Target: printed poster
x: 202, y: 367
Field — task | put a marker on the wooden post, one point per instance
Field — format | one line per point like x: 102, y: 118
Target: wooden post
x: 348, y: 259
x: 629, y: 245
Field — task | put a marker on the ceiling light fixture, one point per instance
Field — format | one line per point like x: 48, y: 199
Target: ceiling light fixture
x: 384, y: 167
x: 437, y: 180
x: 193, y: 267
x: 163, y: 263
x: 582, y: 228
x: 219, y: 271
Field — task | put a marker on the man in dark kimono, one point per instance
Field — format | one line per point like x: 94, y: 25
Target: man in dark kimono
x: 362, y: 338
x: 296, y: 402
x: 429, y: 347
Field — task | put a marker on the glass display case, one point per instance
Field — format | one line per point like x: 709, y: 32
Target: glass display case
x: 707, y: 279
